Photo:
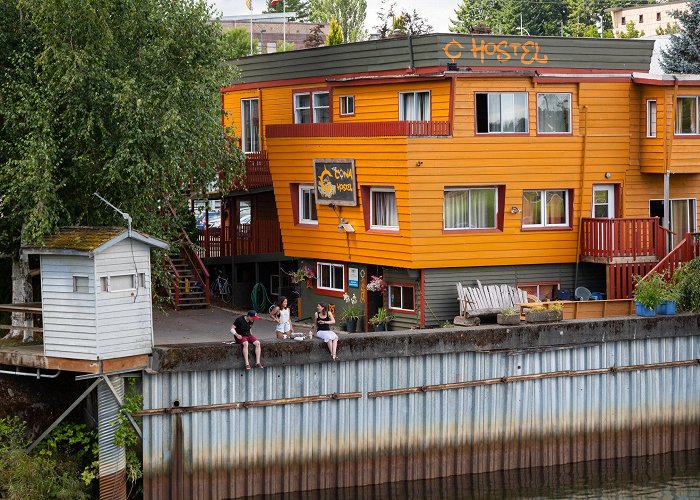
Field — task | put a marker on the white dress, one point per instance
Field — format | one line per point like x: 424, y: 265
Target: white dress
x: 284, y: 326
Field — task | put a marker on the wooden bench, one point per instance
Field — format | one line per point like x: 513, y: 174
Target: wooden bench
x: 477, y: 302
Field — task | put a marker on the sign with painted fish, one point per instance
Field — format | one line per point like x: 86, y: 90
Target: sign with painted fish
x: 334, y: 182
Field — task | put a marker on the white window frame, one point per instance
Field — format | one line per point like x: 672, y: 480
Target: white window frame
x: 373, y: 190
x: 527, y: 113
x: 544, y: 224
x: 569, y: 124
x: 402, y: 111
x: 343, y: 103
x: 297, y: 108
x: 314, y: 116
x: 106, y: 282
x: 306, y: 188
x: 76, y: 285
x: 401, y: 306
x: 677, y: 132
x: 332, y: 266
x: 469, y: 189
x: 246, y: 139
x: 651, y: 118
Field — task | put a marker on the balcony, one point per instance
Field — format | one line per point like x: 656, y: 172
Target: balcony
x: 259, y: 237
x: 360, y: 129
x: 257, y: 172
x: 622, y: 241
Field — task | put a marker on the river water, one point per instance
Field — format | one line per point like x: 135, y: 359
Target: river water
x: 669, y: 476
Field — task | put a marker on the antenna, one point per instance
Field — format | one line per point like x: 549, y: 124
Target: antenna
x: 126, y: 216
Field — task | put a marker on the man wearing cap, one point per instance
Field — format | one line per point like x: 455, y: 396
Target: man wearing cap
x: 241, y: 330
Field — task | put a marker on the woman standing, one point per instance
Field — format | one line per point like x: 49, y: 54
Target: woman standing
x: 323, y: 319
x: 281, y: 315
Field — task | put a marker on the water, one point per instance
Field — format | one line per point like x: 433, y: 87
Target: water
x: 669, y: 476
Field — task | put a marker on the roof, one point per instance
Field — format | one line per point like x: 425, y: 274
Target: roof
x: 648, y: 6
x: 437, y: 50
x: 88, y: 241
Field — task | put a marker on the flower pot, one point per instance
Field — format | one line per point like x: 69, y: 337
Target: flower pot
x: 511, y: 319
x: 350, y: 325
x: 667, y: 308
x: 380, y: 327
x: 543, y: 316
x: 643, y: 310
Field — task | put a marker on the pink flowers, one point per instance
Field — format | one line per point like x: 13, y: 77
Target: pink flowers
x: 376, y: 284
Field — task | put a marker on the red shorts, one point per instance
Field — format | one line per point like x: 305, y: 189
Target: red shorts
x: 246, y: 338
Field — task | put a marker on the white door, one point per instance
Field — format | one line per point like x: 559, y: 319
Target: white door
x: 603, y: 201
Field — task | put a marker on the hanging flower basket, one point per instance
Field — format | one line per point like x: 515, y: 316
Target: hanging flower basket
x: 376, y: 284
x: 303, y: 275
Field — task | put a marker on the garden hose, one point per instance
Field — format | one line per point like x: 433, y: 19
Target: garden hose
x: 259, y: 288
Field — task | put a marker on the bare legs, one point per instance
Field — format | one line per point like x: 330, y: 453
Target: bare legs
x: 258, y: 350
x: 333, y: 347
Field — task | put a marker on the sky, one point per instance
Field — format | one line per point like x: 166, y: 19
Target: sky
x: 438, y: 18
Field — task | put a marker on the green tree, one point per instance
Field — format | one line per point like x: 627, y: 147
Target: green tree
x: 235, y: 44
x: 631, y: 31
x: 284, y: 47
x: 471, y: 14
x: 315, y: 38
x: 393, y: 22
x: 350, y: 15
x: 301, y: 7
x: 335, y: 34
x: 683, y: 55
x: 669, y: 29
x: 113, y: 96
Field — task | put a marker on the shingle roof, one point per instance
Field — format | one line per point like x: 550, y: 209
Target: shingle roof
x: 84, y: 239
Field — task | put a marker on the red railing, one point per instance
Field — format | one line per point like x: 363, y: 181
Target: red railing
x: 190, y: 256
x: 360, y: 129
x: 257, y: 172
x: 684, y: 252
x: 259, y: 237
x: 606, y: 239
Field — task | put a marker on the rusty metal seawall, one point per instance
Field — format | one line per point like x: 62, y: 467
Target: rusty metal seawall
x: 435, y: 404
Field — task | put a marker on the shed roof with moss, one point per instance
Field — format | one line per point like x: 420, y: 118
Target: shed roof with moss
x: 88, y: 241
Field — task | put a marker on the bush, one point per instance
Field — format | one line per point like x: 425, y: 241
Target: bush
x: 650, y: 292
x: 687, y: 284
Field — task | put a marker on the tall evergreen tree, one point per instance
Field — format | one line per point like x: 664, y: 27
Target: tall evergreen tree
x: 335, y: 34
x: 301, y: 7
x: 683, y: 56
x: 471, y: 14
x: 350, y: 15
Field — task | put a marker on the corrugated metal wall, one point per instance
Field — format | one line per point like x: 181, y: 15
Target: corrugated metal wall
x: 441, y: 293
x: 242, y: 452
x: 112, y: 457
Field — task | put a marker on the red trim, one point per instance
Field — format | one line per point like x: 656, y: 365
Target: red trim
x: 573, y: 79
x: 685, y: 136
x: 422, y: 298
x: 450, y: 116
x: 294, y: 192
x: 500, y: 214
x: 405, y: 285
x: 470, y: 231
x: 331, y: 293
x: 380, y: 80
x: 401, y: 128
x: 665, y: 83
x: 365, y: 202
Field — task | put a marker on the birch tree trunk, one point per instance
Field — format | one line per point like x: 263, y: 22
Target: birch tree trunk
x: 21, y: 293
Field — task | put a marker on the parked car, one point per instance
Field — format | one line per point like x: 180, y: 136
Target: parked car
x: 214, y: 220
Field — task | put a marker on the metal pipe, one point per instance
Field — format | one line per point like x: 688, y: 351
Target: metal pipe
x: 24, y: 374
x: 534, y: 376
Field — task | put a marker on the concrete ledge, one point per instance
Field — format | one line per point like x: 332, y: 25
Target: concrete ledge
x: 487, y: 338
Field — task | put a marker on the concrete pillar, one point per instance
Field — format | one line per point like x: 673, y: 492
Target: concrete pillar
x: 112, y: 478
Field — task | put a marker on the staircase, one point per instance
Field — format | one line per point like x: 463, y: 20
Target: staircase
x: 685, y: 251
x: 188, y: 291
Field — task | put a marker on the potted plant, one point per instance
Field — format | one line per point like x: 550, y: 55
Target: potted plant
x: 380, y: 320
x: 376, y: 284
x: 508, y: 316
x: 302, y: 275
x: 671, y: 295
x: 351, y: 312
x: 541, y: 314
x: 649, y: 293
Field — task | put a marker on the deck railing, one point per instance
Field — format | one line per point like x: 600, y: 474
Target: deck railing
x: 257, y: 172
x: 360, y: 129
x: 685, y: 251
x: 606, y: 239
x: 259, y: 237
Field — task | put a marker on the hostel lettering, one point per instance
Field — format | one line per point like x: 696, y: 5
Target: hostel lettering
x: 335, y: 182
x: 527, y: 52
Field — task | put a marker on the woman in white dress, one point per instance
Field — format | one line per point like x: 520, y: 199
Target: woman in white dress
x: 281, y: 315
x: 323, y: 319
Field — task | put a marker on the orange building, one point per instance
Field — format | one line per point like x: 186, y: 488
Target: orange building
x: 535, y: 162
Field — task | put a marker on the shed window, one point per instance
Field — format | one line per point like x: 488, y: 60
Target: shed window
x: 330, y: 276
x: 402, y: 297
x: 122, y: 282
x: 81, y: 284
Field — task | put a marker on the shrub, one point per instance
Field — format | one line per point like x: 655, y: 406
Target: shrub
x: 687, y: 285
x: 509, y: 311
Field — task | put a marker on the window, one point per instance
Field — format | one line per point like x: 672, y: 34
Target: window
x: 641, y: 18
x: 543, y: 291
x: 142, y: 280
x: 470, y: 208
x: 383, y: 213
x: 307, y: 205
x: 554, y: 113
x: 501, y: 113
x: 682, y: 217
x: 402, y: 297
x: 624, y: 21
x: 658, y: 16
x: 245, y: 211
x: 548, y: 208
x: 81, y: 284
x: 250, y: 125
x: 651, y: 118
x: 687, y: 115
x: 414, y: 106
x: 347, y: 105
x: 312, y: 107
x: 330, y: 276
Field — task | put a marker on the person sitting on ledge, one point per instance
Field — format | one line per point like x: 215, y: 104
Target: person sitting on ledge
x: 323, y: 319
x: 241, y: 331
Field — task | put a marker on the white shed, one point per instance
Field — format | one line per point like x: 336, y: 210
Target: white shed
x: 96, y: 292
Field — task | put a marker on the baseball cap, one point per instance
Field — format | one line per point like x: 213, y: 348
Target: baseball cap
x: 253, y: 314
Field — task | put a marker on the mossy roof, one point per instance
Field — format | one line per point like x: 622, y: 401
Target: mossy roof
x: 82, y: 239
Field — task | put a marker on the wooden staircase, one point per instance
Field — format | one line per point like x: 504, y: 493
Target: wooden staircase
x: 685, y: 251
x: 188, y: 290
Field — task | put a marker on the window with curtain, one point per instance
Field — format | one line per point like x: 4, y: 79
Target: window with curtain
x: 501, y: 113
x: 687, y: 115
x: 651, y: 118
x: 307, y: 205
x: 470, y: 208
x: 402, y: 297
x: 682, y: 217
x: 302, y: 108
x: 383, y: 212
x: 546, y: 208
x: 250, y: 125
x: 554, y: 113
x: 414, y: 106
x: 330, y: 276
x: 322, y: 109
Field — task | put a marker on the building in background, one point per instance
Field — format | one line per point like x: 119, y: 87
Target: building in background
x: 647, y: 18
x: 269, y: 30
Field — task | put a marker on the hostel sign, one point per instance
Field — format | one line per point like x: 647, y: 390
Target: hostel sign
x: 334, y: 182
x: 524, y: 51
